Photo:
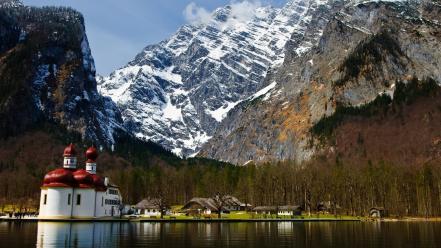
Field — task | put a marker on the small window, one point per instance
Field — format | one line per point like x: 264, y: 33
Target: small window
x: 102, y: 201
x: 68, y: 199
x: 78, y: 199
x: 45, y: 199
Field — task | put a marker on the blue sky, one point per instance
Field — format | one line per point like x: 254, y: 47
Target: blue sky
x: 119, y: 29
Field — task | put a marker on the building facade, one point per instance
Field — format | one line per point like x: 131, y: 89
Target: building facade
x: 287, y: 210
x: 150, y: 207
x: 71, y: 193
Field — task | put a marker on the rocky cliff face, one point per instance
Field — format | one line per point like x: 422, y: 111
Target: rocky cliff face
x: 177, y: 92
x: 363, y: 51
x: 47, y: 73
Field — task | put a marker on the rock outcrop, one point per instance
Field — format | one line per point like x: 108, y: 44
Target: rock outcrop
x: 47, y: 73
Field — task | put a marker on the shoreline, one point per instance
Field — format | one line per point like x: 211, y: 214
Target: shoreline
x: 181, y: 220
x: 232, y: 220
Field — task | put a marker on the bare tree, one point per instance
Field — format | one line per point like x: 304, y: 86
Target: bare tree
x: 220, y: 201
x: 162, y: 204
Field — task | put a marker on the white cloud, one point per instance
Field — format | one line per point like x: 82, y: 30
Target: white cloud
x: 244, y: 11
x: 241, y: 12
x: 196, y: 15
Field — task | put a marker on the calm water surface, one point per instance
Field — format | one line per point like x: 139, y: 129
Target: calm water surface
x: 261, y: 234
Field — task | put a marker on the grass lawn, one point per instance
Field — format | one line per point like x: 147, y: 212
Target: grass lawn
x: 243, y: 215
x: 327, y: 216
x: 238, y: 215
x: 176, y: 208
x: 10, y: 208
x: 304, y: 216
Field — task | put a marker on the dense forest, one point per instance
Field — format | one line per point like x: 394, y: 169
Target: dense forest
x: 403, y: 190
x: 350, y: 189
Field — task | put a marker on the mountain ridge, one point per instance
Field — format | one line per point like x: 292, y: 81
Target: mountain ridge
x: 385, y: 42
x: 177, y: 92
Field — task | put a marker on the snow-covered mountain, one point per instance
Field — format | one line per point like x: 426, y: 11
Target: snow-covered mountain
x: 177, y: 92
x: 330, y: 102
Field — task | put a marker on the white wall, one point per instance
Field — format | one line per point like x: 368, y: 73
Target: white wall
x: 105, y: 201
x: 99, y: 204
x: 57, y: 203
x: 285, y: 213
x: 86, y: 208
x: 93, y: 203
x: 42, y: 209
x: 149, y: 212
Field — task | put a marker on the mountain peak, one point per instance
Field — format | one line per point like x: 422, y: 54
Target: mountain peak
x: 177, y: 92
x: 11, y: 3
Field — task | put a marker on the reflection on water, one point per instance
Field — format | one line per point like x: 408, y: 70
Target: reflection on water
x: 257, y: 234
x: 56, y: 234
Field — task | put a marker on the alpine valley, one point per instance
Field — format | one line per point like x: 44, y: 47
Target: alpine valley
x: 333, y: 106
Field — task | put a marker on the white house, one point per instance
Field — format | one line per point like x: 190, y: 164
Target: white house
x: 287, y: 210
x: 71, y: 193
x: 149, y: 207
x: 199, y: 205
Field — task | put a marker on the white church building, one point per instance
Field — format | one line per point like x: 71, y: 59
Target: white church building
x: 72, y: 193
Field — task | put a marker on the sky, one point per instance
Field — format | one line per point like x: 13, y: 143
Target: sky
x: 119, y: 29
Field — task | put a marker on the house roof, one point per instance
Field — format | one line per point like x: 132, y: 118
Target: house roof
x: 210, y: 203
x: 233, y: 201
x: 149, y: 203
x: 206, y: 203
x: 289, y: 208
x: 377, y: 208
x: 277, y: 208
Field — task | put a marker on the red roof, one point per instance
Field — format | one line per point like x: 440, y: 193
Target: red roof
x: 63, y: 177
x: 69, y: 151
x: 59, y: 178
x: 83, y: 179
x: 73, y: 178
x: 91, y: 154
x: 99, y: 183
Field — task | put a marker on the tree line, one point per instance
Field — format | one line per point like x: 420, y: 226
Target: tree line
x: 349, y: 189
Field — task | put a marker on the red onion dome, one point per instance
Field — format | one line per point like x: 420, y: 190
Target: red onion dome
x: 99, y: 183
x: 91, y: 154
x: 70, y: 151
x: 59, y: 178
x: 83, y: 179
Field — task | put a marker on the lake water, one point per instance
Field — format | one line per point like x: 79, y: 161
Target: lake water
x: 259, y: 234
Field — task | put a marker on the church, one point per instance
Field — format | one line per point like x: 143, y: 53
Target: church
x: 74, y: 193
